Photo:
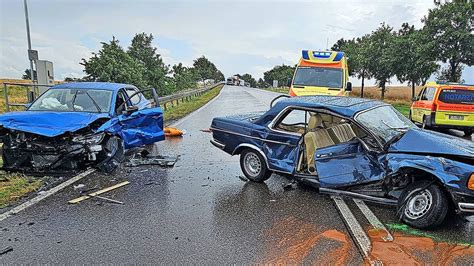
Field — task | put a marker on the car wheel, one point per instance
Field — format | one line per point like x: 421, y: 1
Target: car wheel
x: 112, y: 155
x: 425, y: 123
x: 468, y: 132
x: 423, y: 205
x: 253, y: 166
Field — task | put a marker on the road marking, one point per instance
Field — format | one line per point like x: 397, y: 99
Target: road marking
x: 373, y: 220
x: 361, y: 238
x: 48, y: 193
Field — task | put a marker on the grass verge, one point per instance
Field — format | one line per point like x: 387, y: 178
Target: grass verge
x: 15, y: 186
x: 181, y: 110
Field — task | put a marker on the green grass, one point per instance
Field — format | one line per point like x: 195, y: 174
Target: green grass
x: 279, y: 90
x: 403, y: 108
x: 16, y: 186
x: 184, y: 108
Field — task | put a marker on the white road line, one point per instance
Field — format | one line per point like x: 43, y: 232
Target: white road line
x: 361, y: 238
x: 48, y: 193
x: 373, y: 220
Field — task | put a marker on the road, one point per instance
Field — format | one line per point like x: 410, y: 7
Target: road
x: 200, y: 211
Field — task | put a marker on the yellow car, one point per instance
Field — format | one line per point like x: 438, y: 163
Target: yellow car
x: 445, y: 105
x: 321, y: 73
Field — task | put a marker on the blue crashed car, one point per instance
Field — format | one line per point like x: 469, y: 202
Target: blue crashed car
x: 355, y: 147
x: 76, y: 125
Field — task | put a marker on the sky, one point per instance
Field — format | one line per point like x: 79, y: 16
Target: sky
x: 237, y: 36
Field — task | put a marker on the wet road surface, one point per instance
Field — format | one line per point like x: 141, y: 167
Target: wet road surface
x: 200, y: 211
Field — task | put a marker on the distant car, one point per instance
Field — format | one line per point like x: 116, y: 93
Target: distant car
x: 76, y: 125
x: 445, y: 105
x: 355, y: 147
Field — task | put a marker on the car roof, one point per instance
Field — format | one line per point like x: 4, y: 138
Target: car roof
x: 93, y: 86
x: 345, y: 106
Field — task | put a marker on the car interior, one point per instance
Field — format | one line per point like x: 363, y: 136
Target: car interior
x: 318, y: 130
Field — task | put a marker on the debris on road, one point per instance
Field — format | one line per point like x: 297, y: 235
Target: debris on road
x: 6, y: 250
x: 106, y: 199
x: 167, y: 161
x: 206, y: 130
x: 77, y: 200
x: 173, y: 132
x: 243, y: 178
x: 78, y: 186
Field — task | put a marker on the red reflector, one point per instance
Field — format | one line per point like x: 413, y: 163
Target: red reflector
x: 434, y: 107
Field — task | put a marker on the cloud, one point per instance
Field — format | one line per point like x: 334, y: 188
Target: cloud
x: 238, y: 36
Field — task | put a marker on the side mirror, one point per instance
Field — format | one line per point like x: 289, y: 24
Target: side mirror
x: 349, y: 86
x: 130, y: 110
x: 288, y: 82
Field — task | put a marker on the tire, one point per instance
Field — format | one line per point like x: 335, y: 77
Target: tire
x: 423, y: 205
x: 425, y: 123
x: 468, y: 132
x: 253, y: 166
x: 112, y: 155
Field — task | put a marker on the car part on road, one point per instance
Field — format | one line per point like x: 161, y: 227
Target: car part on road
x: 6, y: 250
x: 423, y: 204
x: 253, y: 165
x: 107, y: 189
x: 166, y: 161
x: 106, y: 199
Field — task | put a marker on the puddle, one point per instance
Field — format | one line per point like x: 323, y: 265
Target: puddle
x: 291, y: 241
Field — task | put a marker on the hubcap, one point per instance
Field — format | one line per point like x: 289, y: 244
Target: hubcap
x: 419, y: 205
x: 252, y: 164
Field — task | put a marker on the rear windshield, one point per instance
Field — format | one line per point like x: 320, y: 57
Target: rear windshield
x: 456, y: 96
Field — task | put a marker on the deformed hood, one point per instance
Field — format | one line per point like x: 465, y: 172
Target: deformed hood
x: 49, y: 124
x: 430, y: 142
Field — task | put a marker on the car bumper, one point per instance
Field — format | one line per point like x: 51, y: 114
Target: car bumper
x: 217, y: 144
x: 439, y: 120
x: 464, y: 203
x: 466, y: 207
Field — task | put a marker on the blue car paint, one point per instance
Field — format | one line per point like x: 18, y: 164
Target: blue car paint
x: 142, y: 127
x: 349, y: 163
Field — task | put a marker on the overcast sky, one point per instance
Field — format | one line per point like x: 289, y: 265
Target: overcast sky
x: 238, y: 36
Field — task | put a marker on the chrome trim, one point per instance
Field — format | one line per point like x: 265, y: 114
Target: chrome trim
x: 257, y: 138
x: 217, y: 144
x: 248, y: 145
x: 358, y: 195
x: 466, y: 207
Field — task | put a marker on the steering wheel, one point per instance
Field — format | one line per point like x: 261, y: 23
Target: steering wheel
x: 278, y: 97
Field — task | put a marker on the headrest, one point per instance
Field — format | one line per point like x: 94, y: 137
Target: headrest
x: 315, y: 121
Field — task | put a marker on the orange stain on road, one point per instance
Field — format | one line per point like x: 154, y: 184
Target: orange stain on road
x: 416, y: 250
x: 290, y: 241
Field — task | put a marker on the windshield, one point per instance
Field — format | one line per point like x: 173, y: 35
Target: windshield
x: 385, y: 122
x: 73, y: 100
x: 318, y: 77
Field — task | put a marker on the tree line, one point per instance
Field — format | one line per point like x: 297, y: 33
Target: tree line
x: 143, y: 67
x: 409, y: 54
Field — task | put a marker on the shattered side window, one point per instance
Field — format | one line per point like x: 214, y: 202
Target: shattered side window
x: 73, y: 100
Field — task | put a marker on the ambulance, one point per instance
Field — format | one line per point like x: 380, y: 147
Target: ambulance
x: 321, y: 73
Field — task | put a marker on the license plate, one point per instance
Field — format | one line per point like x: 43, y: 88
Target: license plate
x: 456, y: 117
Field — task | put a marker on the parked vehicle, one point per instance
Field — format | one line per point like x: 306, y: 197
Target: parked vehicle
x: 76, y: 125
x: 445, y: 105
x: 321, y: 73
x: 355, y: 147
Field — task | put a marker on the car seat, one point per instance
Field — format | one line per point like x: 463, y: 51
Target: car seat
x: 316, y: 137
x: 342, y: 132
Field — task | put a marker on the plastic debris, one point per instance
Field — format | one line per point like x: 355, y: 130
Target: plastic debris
x: 78, y: 186
x: 6, y: 250
x: 167, y: 161
x: 206, y: 130
x: 173, y: 132
x: 77, y: 200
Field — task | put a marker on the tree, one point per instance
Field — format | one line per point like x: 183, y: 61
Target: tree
x: 204, y: 68
x: 382, y: 56
x: 248, y: 78
x: 415, y: 60
x: 281, y: 73
x: 262, y: 84
x: 113, y: 64
x: 27, y: 74
x: 184, y: 77
x: 447, y: 74
x: 450, y: 28
x: 154, y: 70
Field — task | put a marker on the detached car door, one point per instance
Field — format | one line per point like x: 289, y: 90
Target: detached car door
x: 140, y: 121
x: 346, y: 164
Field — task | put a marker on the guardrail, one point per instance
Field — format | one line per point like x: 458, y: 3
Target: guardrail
x: 165, y: 101
x: 174, y: 99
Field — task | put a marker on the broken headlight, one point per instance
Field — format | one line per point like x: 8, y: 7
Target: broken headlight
x: 89, y: 139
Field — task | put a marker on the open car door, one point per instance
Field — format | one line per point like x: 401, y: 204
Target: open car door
x: 346, y: 164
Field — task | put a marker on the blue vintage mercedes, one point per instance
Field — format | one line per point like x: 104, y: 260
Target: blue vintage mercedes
x: 81, y: 124
x: 355, y: 147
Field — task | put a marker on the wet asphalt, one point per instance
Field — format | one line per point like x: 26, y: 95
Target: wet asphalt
x: 199, y: 211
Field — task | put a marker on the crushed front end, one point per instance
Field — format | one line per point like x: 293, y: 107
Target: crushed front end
x: 36, y: 154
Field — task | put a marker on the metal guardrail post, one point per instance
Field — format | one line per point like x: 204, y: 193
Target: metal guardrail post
x: 7, y: 106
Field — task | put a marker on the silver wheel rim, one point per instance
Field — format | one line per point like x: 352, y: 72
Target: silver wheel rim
x: 252, y: 164
x: 418, y: 205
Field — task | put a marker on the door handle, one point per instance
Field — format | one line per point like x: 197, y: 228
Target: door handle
x: 324, y: 155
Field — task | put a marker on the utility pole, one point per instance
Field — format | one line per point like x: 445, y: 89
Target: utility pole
x: 30, y: 57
